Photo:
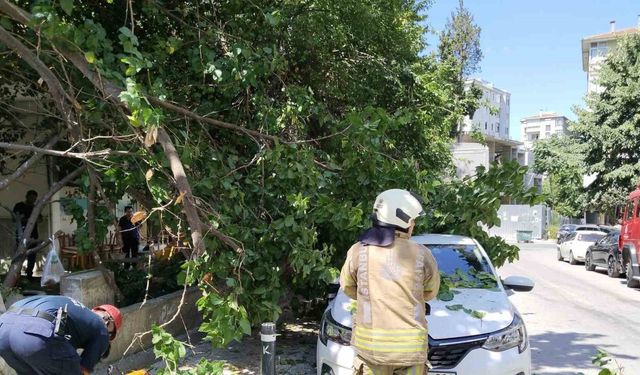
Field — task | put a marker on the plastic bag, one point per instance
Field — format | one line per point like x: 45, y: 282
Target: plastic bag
x: 53, y: 269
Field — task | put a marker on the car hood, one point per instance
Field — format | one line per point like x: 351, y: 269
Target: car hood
x: 446, y: 322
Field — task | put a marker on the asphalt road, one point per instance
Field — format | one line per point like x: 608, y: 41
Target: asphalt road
x: 571, y: 312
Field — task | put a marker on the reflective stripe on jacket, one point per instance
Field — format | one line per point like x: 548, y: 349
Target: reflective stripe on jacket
x: 391, y: 285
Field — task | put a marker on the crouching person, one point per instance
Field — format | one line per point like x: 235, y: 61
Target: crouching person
x: 40, y: 335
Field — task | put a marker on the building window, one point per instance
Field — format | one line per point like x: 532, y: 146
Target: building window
x: 598, y: 49
x: 491, y: 127
x: 548, y: 128
x: 498, y: 128
x: 485, y: 125
x: 547, y: 134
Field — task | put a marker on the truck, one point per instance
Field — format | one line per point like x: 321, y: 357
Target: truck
x: 629, y: 242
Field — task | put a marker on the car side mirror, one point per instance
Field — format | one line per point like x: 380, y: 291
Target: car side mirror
x: 518, y: 283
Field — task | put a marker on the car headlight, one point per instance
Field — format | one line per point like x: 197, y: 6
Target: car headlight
x: 510, y: 337
x: 334, y: 331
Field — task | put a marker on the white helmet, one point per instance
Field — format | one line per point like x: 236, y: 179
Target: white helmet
x: 397, y: 207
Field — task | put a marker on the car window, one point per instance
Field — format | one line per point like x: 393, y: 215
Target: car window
x: 590, y: 237
x: 572, y: 236
x: 464, y: 263
x: 606, y: 240
x: 613, y: 237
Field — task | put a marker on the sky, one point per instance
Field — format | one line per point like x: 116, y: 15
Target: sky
x: 532, y: 48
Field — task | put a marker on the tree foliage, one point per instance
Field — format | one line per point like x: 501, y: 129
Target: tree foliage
x: 287, y: 117
x: 610, y: 127
x: 460, y: 41
x: 561, y: 158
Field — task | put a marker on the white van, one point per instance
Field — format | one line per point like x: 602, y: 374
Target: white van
x: 477, y: 332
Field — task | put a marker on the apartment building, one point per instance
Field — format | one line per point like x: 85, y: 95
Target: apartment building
x: 492, y: 120
x: 595, y: 49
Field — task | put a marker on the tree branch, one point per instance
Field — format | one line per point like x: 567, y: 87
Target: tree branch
x: 27, y: 164
x: 185, y: 192
x: 58, y: 94
x: 65, y: 154
x: 16, y: 265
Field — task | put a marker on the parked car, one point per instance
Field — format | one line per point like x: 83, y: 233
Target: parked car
x: 576, y: 244
x: 571, y: 228
x: 607, y: 228
x: 606, y: 254
x: 630, y: 239
x: 564, y: 231
x: 459, y: 343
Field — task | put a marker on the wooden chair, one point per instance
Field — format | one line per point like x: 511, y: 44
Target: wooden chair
x: 69, y: 253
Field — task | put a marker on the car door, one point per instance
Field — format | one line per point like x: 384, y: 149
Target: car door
x: 565, y: 247
x: 612, y: 248
x: 600, y: 250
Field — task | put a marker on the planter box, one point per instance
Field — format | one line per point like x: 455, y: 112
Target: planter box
x: 87, y: 287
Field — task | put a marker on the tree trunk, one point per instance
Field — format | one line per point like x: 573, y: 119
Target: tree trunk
x: 91, y: 221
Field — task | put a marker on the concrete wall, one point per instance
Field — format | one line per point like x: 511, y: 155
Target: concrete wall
x: 467, y: 156
x: 515, y: 217
x: 140, y: 317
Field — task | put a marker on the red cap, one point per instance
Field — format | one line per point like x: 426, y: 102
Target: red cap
x: 115, y: 314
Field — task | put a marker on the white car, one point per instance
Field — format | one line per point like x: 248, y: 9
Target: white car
x: 460, y: 342
x: 575, y: 246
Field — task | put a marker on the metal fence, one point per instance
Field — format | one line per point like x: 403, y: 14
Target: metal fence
x: 515, y: 217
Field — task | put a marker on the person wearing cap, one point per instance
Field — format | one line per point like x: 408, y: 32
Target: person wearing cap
x: 30, y: 343
x: 390, y: 277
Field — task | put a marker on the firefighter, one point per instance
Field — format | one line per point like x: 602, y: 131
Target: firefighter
x: 40, y: 335
x: 391, y: 277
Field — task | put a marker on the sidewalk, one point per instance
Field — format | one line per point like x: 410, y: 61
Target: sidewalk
x: 295, y: 348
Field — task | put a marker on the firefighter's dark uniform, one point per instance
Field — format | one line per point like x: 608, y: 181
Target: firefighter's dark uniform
x: 29, y: 345
x: 391, y: 284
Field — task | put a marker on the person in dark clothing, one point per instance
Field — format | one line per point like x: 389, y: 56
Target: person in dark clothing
x: 30, y: 344
x: 22, y: 211
x: 130, y: 234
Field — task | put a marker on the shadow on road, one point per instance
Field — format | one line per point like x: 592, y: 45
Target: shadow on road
x: 554, y: 352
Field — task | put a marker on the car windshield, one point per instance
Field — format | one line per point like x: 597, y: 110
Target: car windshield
x: 568, y: 227
x: 590, y: 237
x: 464, y: 265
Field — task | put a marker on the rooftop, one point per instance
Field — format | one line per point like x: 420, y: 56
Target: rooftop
x: 543, y: 115
x: 611, y: 35
x: 485, y: 84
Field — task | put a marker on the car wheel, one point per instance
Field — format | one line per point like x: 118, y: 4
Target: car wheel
x: 631, y: 282
x: 588, y: 263
x: 612, y: 268
x: 572, y: 260
x: 560, y: 258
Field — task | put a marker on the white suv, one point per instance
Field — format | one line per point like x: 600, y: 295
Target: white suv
x: 479, y: 331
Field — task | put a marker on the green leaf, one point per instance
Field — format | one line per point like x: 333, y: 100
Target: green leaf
x: 445, y: 296
x: 90, y: 57
x: 245, y: 326
x: 67, y: 6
